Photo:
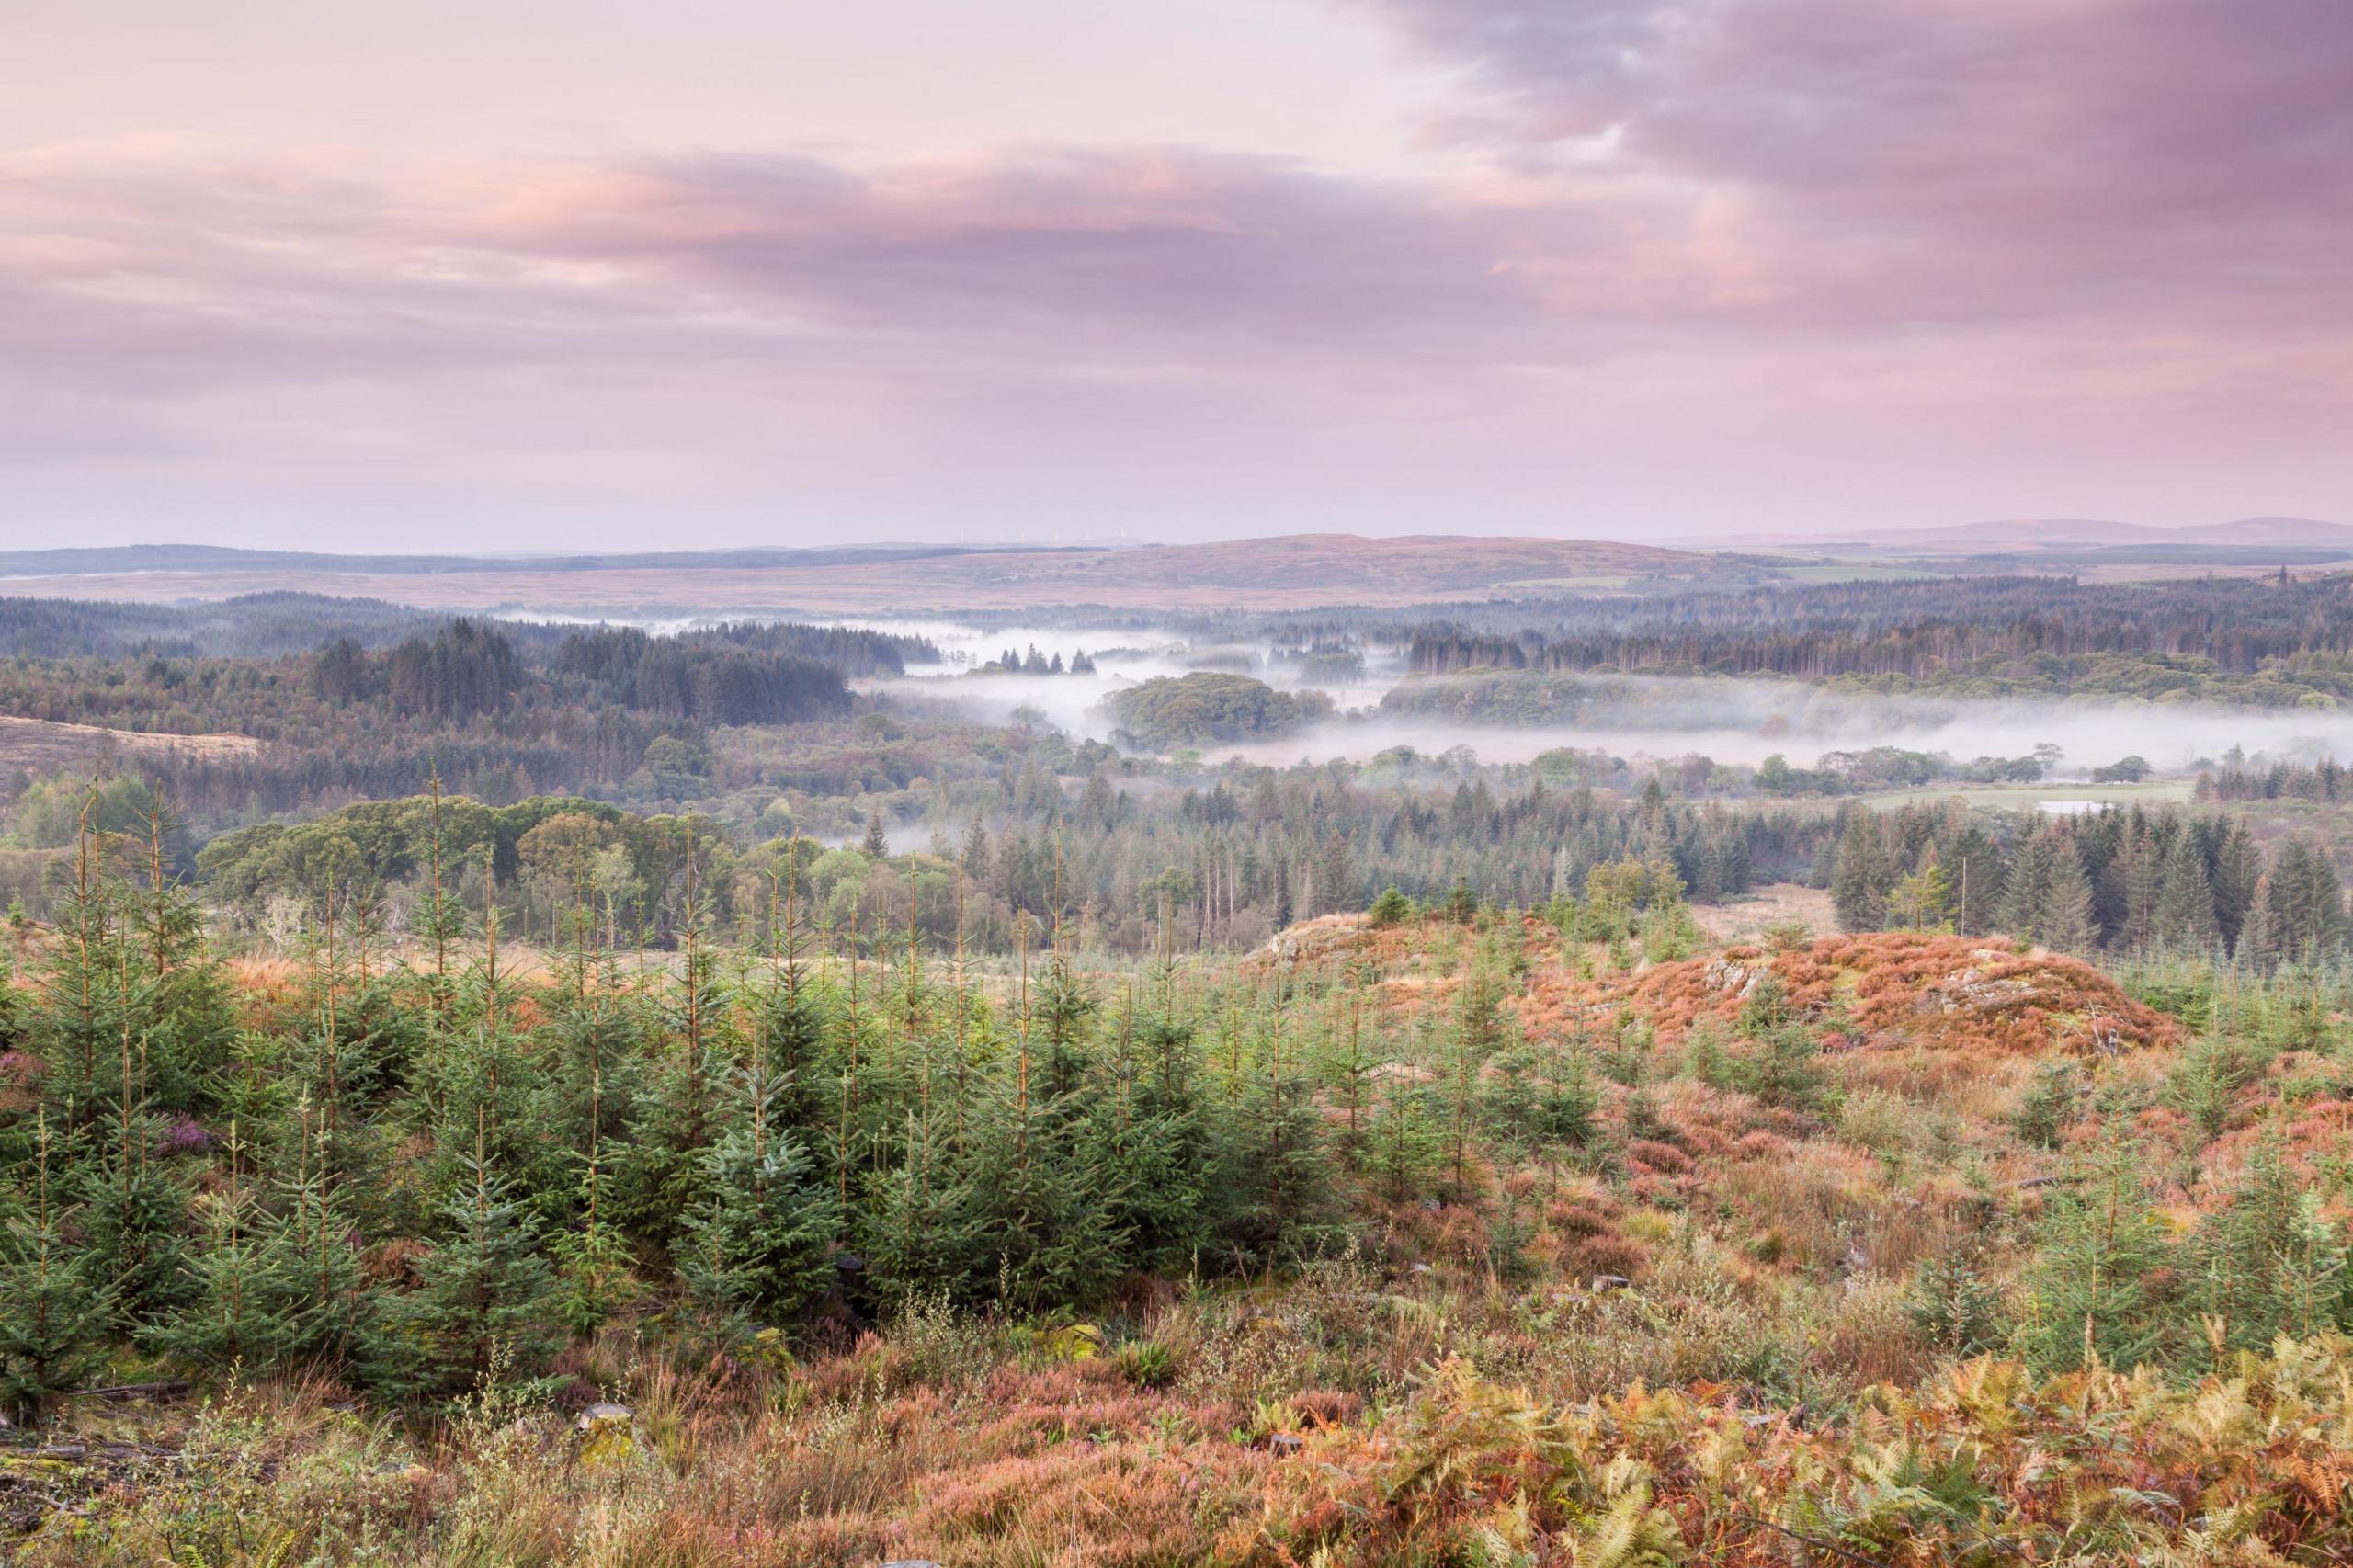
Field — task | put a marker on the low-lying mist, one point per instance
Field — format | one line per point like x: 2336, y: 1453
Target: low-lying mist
x: 2170, y: 738
x: 1122, y: 656
x: 1739, y: 721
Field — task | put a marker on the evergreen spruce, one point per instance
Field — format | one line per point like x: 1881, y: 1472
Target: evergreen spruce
x: 2093, y: 1282
x: 1859, y: 887
x: 249, y: 1290
x: 2238, y: 865
x: 486, y: 1294
x: 2066, y: 924
x: 759, y: 1248
x: 2026, y: 887
x: 2184, y: 920
x: 56, y: 1307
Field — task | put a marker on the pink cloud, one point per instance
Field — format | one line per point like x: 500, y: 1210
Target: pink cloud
x: 1951, y: 159
x: 1822, y: 245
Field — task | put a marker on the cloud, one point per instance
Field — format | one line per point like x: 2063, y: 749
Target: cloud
x: 1947, y: 159
x: 1060, y: 285
x: 1726, y: 262
x: 104, y: 256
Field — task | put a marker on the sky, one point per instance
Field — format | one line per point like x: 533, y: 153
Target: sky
x: 555, y: 274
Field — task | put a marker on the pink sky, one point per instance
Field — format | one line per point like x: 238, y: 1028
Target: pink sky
x: 722, y: 271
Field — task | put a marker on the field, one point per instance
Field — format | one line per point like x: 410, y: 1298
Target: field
x: 38, y: 746
x: 1744, y: 919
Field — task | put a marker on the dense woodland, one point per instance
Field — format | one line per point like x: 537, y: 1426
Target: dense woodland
x: 1169, y: 712
x: 251, y: 626
x: 2257, y: 641
x: 500, y: 709
x: 1218, y: 868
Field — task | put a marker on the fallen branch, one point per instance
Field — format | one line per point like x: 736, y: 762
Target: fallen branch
x: 134, y: 1390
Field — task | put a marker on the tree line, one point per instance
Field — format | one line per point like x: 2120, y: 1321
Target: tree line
x: 2207, y: 637
x: 502, y: 710
x: 2124, y: 881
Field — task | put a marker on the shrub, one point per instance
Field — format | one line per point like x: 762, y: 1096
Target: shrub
x: 1147, y: 1363
x: 1954, y: 1306
x: 2048, y: 1106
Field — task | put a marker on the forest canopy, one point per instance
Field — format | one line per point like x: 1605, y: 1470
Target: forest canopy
x: 1211, y: 705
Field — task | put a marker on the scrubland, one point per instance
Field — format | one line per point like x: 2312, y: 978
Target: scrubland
x: 1894, y: 1249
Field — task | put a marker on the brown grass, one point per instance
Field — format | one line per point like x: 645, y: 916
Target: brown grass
x: 41, y: 746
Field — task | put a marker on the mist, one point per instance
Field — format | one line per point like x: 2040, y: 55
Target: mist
x: 1738, y: 722
x: 1124, y: 655
x: 2172, y: 739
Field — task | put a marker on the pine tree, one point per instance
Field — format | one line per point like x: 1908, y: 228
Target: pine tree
x: 486, y: 1294
x: 2066, y: 924
x: 1156, y: 1143
x: 2026, y: 887
x: 761, y: 1247
x: 249, y: 1291
x: 1859, y: 885
x: 330, y: 1311
x: 1919, y: 901
x: 2238, y: 865
x: 2261, y: 941
x: 2184, y: 920
x: 2309, y: 904
x: 660, y: 1175
x: 1478, y: 1033
x: 2048, y: 1106
x: 875, y: 846
x: 1064, y: 1011
x: 2138, y: 872
x: 1271, y: 1180
x: 2297, y: 915
x: 79, y: 1016
x: 2268, y: 1262
x: 1975, y: 865
x: 1954, y: 1304
x: 2310, y: 1268
x: 55, y: 1307
x: 1032, y: 1211
x: 2090, y: 1283
x: 1462, y: 903
x: 594, y: 1277
x: 1569, y: 1103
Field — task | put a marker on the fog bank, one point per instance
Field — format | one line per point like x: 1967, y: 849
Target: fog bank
x: 1739, y: 721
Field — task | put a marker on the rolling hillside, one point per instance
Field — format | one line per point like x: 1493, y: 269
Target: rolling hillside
x: 1298, y: 571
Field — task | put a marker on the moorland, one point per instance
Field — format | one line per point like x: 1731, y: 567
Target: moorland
x: 1568, y: 1055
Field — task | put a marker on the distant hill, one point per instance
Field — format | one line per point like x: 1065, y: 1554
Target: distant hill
x: 2073, y: 535
x: 82, y: 561
x: 1292, y: 570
